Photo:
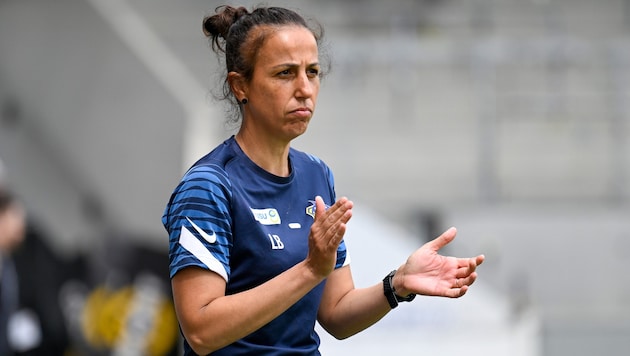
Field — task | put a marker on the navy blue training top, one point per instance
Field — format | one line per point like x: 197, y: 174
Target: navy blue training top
x: 230, y: 216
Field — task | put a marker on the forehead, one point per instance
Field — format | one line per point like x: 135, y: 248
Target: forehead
x: 287, y: 43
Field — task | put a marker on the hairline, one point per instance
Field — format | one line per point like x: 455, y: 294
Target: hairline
x: 256, y: 42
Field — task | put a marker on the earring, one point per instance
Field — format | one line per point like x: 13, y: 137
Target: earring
x: 244, y: 101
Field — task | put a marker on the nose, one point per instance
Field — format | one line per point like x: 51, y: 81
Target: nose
x: 305, y: 86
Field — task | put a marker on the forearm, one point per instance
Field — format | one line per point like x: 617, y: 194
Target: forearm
x: 226, y: 319
x: 356, y: 311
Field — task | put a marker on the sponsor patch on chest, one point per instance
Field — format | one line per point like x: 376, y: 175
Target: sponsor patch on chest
x: 268, y: 216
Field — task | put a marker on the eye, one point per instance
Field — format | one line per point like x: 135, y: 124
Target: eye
x: 284, y: 73
x: 313, y: 72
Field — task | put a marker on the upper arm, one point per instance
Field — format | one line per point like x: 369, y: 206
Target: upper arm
x: 193, y: 289
x: 198, y: 220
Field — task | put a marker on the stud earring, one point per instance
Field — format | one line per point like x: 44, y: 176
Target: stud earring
x: 244, y: 101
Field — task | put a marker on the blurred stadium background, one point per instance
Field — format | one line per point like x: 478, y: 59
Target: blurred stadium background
x: 507, y: 119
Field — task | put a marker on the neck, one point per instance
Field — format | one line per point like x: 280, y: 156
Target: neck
x: 270, y: 156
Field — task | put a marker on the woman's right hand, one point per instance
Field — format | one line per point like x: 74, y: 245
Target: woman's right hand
x: 326, y: 234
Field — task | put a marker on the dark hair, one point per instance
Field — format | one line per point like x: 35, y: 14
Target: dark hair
x: 6, y: 199
x: 229, y: 31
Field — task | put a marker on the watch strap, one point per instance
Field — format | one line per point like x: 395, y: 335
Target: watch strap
x: 390, y: 292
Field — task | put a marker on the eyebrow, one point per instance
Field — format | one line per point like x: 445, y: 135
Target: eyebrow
x: 293, y: 65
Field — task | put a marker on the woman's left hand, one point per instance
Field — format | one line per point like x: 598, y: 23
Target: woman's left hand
x: 428, y: 273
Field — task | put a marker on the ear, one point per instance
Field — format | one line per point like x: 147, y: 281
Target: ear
x: 237, y: 85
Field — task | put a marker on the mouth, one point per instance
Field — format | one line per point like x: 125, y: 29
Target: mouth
x: 302, y: 112
x: 303, y: 109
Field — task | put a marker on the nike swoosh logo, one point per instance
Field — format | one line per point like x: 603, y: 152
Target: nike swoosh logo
x: 210, y: 238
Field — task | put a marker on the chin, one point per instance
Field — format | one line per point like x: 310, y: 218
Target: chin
x: 297, y: 131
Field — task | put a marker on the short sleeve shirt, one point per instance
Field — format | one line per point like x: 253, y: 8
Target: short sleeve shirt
x: 230, y: 216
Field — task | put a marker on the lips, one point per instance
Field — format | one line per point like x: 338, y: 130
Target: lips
x: 303, y: 109
x: 302, y: 112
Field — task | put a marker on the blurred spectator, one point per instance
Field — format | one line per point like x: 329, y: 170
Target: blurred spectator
x: 31, y: 323
x: 12, y: 232
x: 111, y: 300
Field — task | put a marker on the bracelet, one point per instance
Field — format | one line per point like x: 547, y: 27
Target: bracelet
x: 390, y: 292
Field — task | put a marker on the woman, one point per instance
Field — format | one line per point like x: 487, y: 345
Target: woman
x: 256, y: 232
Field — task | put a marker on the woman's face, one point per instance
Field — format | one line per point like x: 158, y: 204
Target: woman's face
x: 12, y: 226
x: 285, y: 83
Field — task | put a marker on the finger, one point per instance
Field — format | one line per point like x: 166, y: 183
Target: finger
x: 463, y: 272
x: 466, y: 281
x: 338, y: 235
x: 340, y: 212
x: 320, y: 207
x: 331, y: 221
x: 467, y: 266
x: 456, y: 292
x: 461, y: 291
x: 442, y: 240
x: 470, y: 263
x: 456, y: 284
x: 479, y: 259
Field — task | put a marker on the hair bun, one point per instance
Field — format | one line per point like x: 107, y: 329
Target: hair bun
x: 219, y: 24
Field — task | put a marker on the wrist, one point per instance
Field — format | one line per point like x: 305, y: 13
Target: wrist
x: 393, y: 298
x: 311, y: 273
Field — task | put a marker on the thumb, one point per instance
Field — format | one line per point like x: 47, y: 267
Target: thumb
x: 320, y: 207
x: 442, y: 240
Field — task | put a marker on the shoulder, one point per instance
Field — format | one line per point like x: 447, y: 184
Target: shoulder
x: 212, y: 166
x: 207, y: 177
x: 300, y: 158
x: 206, y: 172
x: 311, y: 165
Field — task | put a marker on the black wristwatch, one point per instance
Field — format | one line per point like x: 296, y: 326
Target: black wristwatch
x: 390, y: 292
